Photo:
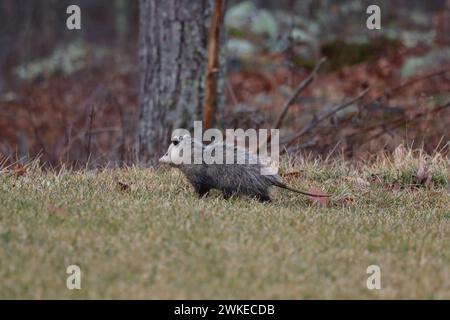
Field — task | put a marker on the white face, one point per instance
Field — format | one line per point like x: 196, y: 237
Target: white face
x: 173, y: 152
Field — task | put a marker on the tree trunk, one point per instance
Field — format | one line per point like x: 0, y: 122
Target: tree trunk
x: 173, y: 56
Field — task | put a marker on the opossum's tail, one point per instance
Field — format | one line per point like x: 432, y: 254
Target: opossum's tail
x: 282, y: 185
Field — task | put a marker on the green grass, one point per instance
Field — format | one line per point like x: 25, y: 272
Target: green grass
x: 157, y: 240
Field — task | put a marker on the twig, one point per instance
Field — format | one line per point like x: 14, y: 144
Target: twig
x: 213, y: 66
x: 123, y: 127
x: 231, y: 92
x: 36, y: 132
x: 315, y: 121
x: 90, y: 102
x: 399, y: 121
x: 89, y: 133
x: 94, y: 97
x: 390, y: 92
x: 296, y: 148
x: 300, y: 88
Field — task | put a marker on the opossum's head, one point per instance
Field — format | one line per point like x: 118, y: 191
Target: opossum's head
x: 175, y: 149
x: 181, y: 150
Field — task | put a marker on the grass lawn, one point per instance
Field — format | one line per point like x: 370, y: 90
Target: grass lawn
x: 156, y: 240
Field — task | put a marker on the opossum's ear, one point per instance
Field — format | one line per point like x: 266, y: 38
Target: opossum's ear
x: 186, y: 136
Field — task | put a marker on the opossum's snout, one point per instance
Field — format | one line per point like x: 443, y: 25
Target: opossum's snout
x: 165, y: 158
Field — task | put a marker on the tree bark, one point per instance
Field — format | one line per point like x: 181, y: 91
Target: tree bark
x: 172, y: 54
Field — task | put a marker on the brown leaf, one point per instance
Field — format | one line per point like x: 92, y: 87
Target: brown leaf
x: 347, y: 200
x: 19, y: 170
x: 55, y: 209
x: 123, y: 186
x: 396, y: 186
x: 322, y: 201
x: 291, y: 174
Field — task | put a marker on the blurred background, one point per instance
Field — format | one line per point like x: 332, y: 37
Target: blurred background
x: 71, y: 96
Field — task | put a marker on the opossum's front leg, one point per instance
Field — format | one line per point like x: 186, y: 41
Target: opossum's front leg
x: 227, y: 193
x: 201, y: 190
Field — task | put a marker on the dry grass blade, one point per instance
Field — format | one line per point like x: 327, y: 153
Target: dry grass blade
x: 49, y: 216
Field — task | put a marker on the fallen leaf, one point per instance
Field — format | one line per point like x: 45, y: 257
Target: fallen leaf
x: 323, y: 201
x: 123, y: 186
x: 19, y: 170
x: 55, y: 209
x: 395, y: 186
x: 291, y: 174
x: 347, y: 200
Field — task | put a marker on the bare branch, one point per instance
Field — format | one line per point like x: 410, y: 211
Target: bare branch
x: 300, y: 88
x: 89, y: 132
x: 123, y: 127
x: 390, y: 92
x: 391, y: 125
x: 315, y: 121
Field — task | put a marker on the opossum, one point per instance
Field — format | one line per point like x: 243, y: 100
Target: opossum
x: 231, y: 179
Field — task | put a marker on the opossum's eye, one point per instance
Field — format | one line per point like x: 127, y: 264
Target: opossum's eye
x: 175, y: 142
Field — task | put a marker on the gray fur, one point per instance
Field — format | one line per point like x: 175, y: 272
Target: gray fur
x: 231, y: 179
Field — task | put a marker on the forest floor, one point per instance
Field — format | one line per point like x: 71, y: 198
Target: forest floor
x: 142, y: 233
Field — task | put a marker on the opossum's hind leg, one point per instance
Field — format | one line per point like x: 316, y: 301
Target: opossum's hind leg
x: 264, y: 197
x: 261, y: 195
x: 202, y: 190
